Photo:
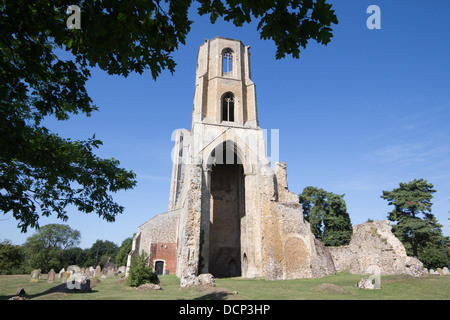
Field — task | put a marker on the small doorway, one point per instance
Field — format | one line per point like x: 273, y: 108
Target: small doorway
x: 159, y: 267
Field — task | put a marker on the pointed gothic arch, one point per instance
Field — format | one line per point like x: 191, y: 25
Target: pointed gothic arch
x: 227, y: 107
x: 227, y: 62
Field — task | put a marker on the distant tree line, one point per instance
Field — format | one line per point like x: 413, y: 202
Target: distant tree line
x: 54, y: 246
x: 412, y: 220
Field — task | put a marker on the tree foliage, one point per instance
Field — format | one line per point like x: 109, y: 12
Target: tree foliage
x: 11, y: 257
x: 45, y: 248
x: 415, y: 226
x: 100, y: 251
x: 42, y: 173
x: 140, y: 271
x: 124, y: 250
x: 327, y: 214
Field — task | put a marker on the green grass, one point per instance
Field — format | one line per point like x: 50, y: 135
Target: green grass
x: 392, y: 287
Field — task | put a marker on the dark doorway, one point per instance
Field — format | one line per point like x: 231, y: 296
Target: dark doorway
x: 159, y: 267
x: 227, y: 207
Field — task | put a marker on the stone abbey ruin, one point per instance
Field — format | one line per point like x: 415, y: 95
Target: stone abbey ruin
x: 230, y: 213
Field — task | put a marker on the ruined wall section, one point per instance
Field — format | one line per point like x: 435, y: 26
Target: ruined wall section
x: 374, y: 248
x: 290, y: 249
x: 188, y: 239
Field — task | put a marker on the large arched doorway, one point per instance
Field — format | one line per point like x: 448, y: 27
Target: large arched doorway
x: 227, y: 207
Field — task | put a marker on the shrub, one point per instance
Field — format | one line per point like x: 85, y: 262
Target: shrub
x: 140, y: 272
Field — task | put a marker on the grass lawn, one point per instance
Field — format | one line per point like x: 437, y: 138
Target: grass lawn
x: 337, y: 287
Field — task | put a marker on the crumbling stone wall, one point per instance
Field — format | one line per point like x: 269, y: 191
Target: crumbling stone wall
x: 374, y: 247
x: 290, y: 248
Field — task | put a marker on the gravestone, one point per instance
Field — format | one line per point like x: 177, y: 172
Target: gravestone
x: 110, y: 268
x: 61, y: 272
x: 98, y: 271
x: 65, y: 275
x: 35, y: 275
x: 79, y: 282
x: 51, y: 276
x: 74, y: 269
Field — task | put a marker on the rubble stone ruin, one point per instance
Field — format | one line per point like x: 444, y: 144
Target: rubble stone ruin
x: 230, y: 213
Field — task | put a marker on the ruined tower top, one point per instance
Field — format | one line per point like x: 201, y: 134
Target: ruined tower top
x: 224, y: 91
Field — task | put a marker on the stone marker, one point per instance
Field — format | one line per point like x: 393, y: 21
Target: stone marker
x: 79, y: 282
x: 74, y: 269
x: 35, y: 275
x: 65, y: 275
x: 98, y: 271
x: 20, y: 292
x: 51, y: 276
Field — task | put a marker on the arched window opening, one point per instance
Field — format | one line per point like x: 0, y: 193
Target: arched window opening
x: 227, y: 63
x: 228, y: 108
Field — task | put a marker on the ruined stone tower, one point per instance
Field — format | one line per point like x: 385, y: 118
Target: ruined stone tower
x: 230, y: 213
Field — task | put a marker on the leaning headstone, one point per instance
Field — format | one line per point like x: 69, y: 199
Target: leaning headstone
x: 445, y: 271
x: 35, y: 274
x: 440, y: 272
x: 61, y: 272
x: 51, y: 276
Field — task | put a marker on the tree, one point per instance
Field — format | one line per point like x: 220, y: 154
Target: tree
x: 42, y: 173
x: 75, y: 256
x: 44, y: 249
x: 122, y: 255
x: 141, y: 272
x: 415, y: 224
x: 100, y: 251
x: 327, y: 214
x: 11, y: 257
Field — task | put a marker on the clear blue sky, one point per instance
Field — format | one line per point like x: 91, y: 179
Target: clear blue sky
x: 356, y: 117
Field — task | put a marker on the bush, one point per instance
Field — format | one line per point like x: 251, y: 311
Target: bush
x: 140, y: 272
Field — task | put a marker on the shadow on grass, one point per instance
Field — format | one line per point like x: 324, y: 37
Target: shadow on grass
x: 61, y: 288
x: 218, y: 295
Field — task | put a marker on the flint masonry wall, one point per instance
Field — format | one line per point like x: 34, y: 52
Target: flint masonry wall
x: 374, y: 248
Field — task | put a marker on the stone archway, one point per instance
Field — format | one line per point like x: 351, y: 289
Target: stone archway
x: 227, y: 206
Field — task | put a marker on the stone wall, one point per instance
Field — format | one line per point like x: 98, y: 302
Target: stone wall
x: 160, y: 229
x: 374, y: 248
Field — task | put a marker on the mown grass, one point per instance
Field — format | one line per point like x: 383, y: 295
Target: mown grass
x: 115, y: 288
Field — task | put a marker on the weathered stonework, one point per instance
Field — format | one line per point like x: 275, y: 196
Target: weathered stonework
x: 374, y: 248
x: 230, y: 213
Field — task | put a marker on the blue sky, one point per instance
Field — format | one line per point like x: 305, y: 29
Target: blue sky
x: 356, y: 117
